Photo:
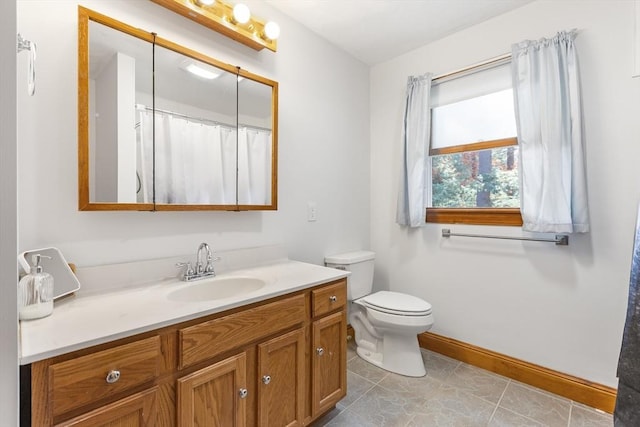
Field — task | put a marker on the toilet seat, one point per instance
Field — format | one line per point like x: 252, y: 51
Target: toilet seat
x: 396, y: 303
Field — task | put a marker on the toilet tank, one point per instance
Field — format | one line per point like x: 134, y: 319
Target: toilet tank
x: 360, y: 264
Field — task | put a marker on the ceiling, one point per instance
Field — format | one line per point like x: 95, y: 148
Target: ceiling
x: 375, y: 31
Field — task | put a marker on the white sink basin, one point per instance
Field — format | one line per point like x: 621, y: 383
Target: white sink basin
x: 216, y: 288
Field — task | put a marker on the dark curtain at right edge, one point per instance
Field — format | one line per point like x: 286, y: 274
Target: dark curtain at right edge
x: 627, y: 411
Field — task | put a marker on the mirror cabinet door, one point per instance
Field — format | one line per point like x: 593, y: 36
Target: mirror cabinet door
x: 195, y: 132
x: 115, y: 74
x: 162, y: 127
x: 256, y: 165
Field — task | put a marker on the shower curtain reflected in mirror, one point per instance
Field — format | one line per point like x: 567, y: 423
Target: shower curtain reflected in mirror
x: 196, y: 162
x: 254, y: 166
x: 144, y: 157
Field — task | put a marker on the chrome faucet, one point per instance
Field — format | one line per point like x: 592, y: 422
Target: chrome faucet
x: 200, y: 266
x: 204, y: 268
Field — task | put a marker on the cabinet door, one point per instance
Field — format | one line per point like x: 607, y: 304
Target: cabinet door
x: 214, y: 396
x: 138, y: 410
x: 329, y: 361
x: 281, y: 380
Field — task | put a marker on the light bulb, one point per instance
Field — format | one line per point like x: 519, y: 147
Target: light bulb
x: 241, y: 13
x: 272, y: 30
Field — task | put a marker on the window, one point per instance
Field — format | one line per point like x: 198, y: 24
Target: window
x: 474, y: 151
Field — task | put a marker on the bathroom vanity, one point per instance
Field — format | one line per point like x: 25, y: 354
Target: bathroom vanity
x: 271, y: 356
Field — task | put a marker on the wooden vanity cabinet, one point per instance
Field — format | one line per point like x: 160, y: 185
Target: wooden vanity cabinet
x: 329, y: 347
x: 281, y: 362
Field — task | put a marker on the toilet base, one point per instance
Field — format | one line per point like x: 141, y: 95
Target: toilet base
x: 402, y: 357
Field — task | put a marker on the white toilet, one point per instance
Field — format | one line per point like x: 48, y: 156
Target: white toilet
x: 386, y: 324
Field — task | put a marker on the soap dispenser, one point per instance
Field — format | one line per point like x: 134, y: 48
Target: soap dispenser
x: 35, y: 292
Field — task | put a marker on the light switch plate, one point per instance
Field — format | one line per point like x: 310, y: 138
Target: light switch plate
x: 312, y: 211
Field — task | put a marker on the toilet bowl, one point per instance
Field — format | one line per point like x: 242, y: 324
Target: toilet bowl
x: 386, y: 324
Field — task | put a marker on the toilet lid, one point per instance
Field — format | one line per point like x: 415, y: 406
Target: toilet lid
x: 397, y: 303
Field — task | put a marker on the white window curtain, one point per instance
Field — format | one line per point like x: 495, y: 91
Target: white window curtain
x: 549, y: 122
x: 415, y: 182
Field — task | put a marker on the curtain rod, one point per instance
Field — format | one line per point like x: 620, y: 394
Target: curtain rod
x: 560, y: 239
x: 474, y: 67
x: 200, y: 119
x: 491, y: 61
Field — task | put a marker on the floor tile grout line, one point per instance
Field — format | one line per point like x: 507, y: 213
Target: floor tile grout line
x: 570, y: 413
x: 498, y: 402
x: 364, y: 378
x: 544, y: 392
x: 373, y: 385
x: 523, y: 416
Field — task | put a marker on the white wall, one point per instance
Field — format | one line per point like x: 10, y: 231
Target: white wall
x: 323, y: 145
x: 8, y: 215
x: 559, y: 307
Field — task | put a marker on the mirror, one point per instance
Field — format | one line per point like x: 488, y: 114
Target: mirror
x: 162, y: 127
x: 256, y: 143
x: 195, y: 131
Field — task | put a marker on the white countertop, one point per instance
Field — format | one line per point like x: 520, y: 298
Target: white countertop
x: 87, y: 319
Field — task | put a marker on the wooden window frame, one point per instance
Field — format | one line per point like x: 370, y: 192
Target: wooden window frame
x: 475, y: 216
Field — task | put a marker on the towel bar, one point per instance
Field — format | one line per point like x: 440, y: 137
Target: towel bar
x: 560, y: 239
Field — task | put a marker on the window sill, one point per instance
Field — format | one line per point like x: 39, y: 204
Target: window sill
x: 477, y: 216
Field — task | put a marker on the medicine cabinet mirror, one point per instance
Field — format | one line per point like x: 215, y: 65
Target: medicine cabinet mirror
x: 163, y: 127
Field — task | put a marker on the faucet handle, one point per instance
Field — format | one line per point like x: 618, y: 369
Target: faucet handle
x: 188, y: 271
x: 209, y: 268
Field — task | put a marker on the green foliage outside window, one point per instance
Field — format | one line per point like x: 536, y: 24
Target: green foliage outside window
x: 486, y: 178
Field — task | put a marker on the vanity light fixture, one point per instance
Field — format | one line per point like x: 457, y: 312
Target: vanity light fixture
x: 233, y: 21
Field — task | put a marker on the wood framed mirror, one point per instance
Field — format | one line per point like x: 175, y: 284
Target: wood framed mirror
x: 163, y: 127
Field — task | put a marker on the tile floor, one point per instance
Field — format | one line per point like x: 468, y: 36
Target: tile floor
x: 452, y: 394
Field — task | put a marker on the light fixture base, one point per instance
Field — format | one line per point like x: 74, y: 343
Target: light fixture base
x: 219, y: 17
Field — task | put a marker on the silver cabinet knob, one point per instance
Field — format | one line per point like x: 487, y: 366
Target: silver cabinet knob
x: 333, y: 298
x: 113, y: 376
x: 243, y: 392
x: 266, y: 379
x: 319, y: 351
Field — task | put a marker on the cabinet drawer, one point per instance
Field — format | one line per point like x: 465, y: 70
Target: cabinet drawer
x: 205, y: 340
x: 329, y: 298
x: 83, y: 380
x: 137, y: 410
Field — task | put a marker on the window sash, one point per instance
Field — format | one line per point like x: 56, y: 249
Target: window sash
x: 476, y: 216
x: 475, y: 146
x: 483, y: 118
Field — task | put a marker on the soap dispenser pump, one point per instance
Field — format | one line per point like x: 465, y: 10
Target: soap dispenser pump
x: 35, y: 292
